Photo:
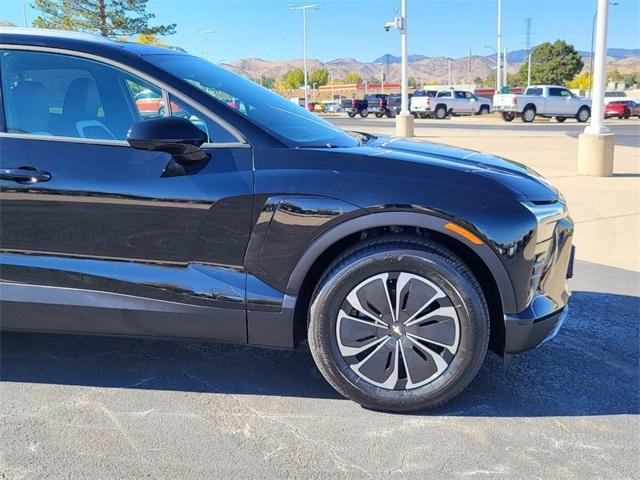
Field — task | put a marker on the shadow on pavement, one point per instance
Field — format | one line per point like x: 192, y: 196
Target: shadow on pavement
x: 591, y: 368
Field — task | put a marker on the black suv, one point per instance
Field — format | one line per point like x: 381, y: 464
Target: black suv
x: 212, y: 208
x: 377, y: 104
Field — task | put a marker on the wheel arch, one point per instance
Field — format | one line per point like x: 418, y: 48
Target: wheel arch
x: 483, y: 261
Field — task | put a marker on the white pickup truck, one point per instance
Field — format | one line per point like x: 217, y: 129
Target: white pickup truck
x: 439, y: 104
x: 544, y: 101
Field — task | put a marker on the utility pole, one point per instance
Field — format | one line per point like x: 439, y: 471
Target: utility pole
x: 529, y: 71
x: 304, y: 9
x: 596, y: 144
x: 504, y: 69
x: 205, y: 33
x: 498, y: 38
x: 449, y: 73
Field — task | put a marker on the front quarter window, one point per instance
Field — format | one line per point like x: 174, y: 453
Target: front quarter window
x: 293, y: 125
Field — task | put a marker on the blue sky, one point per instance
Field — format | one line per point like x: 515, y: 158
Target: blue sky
x: 353, y: 28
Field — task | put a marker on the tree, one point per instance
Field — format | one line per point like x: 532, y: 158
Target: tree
x: 293, y: 79
x: 7, y: 23
x: 110, y: 18
x: 319, y: 76
x: 580, y: 81
x: 352, y: 77
x: 267, y: 82
x: 554, y: 63
x: 477, y: 81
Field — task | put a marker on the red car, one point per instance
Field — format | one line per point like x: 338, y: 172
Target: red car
x: 622, y: 109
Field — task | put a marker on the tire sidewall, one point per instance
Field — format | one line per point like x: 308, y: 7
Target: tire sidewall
x: 469, y: 306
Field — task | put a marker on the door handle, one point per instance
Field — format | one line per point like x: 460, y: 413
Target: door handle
x: 24, y: 175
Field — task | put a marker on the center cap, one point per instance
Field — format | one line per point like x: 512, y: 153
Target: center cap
x: 396, y: 329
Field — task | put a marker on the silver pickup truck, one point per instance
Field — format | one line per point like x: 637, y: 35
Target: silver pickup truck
x: 543, y: 101
x: 441, y: 103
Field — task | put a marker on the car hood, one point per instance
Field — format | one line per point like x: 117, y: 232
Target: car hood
x: 518, y: 177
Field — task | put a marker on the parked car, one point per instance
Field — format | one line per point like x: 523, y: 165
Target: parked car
x: 332, y: 107
x: 420, y: 105
x: 543, y: 101
x: 377, y: 104
x: 354, y: 107
x: 394, y: 105
x: 263, y: 224
x: 622, y: 109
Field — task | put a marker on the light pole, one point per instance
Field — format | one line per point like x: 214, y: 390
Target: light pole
x: 404, y: 120
x: 596, y: 144
x: 593, y: 31
x: 205, y: 33
x: 504, y: 68
x: 24, y: 13
x: 304, y: 9
x: 498, y: 38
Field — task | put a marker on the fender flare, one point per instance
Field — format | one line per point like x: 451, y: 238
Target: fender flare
x: 410, y: 219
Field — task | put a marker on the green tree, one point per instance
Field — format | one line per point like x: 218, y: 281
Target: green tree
x: 319, y: 76
x: 110, y: 18
x: 554, y: 63
x: 293, y: 79
x: 352, y: 77
x: 7, y: 23
x: 478, y: 81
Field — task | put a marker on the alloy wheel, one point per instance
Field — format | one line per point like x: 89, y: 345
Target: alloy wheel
x: 398, y: 330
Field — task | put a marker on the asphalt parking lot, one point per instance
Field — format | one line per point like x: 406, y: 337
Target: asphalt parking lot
x: 87, y: 407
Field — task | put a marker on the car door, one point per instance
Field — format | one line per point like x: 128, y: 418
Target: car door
x: 556, y: 102
x: 89, y: 222
x: 569, y: 104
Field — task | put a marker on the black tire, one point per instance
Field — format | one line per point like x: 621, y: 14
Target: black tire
x: 351, y: 114
x: 379, y: 114
x: 425, y: 260
x: 583, y: 114
x: 529, y: 114
x: 508, y: 116
x: 364, y: 113
x: 424, y: 115
x: 484, y: 110
x: 560, y: 119
x: 440, y: 112
x: 627, y: 114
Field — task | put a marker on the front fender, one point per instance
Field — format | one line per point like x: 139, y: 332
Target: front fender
x: 292, y: 233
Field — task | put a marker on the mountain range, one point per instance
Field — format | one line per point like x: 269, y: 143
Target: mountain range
x: 421, y: 67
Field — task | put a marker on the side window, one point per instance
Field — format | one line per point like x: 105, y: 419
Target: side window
x: 61, y: 95
x: 444, y: 94
x: 555, y: 92
x: 565, y: 93
x: 534, y: 91
x: 215, y: 133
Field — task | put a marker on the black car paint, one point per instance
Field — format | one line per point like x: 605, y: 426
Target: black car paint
x: 110, y: 246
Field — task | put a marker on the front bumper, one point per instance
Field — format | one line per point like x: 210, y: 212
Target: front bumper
x: 549, y: 293
x: 522, y: 335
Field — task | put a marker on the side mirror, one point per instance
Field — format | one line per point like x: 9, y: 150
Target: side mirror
x: 176, y: 136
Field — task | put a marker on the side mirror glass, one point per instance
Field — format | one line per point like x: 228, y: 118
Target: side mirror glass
x: 174, y: 135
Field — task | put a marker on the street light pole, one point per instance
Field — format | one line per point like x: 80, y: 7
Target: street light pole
x: 204, y: 33
x: 404, y: 120
x: 596, y: 144
x: 304, y: 9
x: 593, y: 31
x: 498, y: 38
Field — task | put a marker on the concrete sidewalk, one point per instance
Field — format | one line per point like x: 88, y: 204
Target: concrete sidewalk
x: 606, y: 210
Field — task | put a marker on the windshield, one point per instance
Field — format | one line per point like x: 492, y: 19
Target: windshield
x: 285, y: 120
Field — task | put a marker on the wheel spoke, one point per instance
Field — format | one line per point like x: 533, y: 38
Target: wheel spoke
x: 439, y: 363
x: 372, y: 299
x: 380, y: 367
x: 411, y: 291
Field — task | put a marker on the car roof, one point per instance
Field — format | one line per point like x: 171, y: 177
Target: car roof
x: 80, y: 41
